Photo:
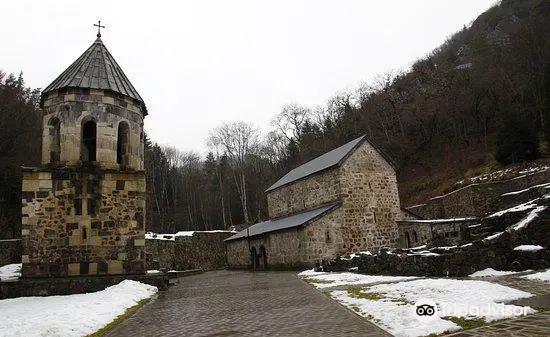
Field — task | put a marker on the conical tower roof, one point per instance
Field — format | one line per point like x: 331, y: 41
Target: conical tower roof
x: 96, y: 69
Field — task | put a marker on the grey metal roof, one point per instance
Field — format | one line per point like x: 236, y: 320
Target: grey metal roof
x: 95, y: 69
x: 283, y: 223
x: 321, y: 163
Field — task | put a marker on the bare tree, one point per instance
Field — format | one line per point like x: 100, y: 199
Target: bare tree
x: 238, y: 140
x: 290, y: 121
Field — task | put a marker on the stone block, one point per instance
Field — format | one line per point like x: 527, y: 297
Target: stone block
x: 25, y: 259
x: 139, y: 242
x: 75, y: 240
x: 114, y: 267
x: 44, y: 176
x: 122, y: 256
x: 92, y: 269
x: 73, y: 269
x: 45, y: 184
x: 30, y: 185
x: 95, y: 241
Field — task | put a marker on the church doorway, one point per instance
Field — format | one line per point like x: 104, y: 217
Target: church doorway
x: 253, y: 258
x: 262, y: 258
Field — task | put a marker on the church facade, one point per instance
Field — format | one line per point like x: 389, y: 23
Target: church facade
x: 341, y: 202
x: 83, y: 210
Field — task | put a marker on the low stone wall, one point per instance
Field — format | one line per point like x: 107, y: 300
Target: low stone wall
x: 477, y: 199
x: 462, y: 261
x: 72, y: 285
x: 10, y: 251
x: 201, y: 250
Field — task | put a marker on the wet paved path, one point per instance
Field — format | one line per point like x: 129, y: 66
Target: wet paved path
x: 240, y: 303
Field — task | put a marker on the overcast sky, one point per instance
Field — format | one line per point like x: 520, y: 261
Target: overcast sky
x: 200, y: 63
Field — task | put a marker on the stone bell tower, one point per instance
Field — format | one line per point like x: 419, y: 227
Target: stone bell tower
x: 83, y: 210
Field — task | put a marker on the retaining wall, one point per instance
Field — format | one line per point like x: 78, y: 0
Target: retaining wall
x: 201, y: 250
x: 477, y: 199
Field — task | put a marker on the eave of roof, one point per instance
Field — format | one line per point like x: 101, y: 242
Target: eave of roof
x: 292, y: 221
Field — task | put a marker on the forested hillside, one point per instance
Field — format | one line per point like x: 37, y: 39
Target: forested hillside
x: 480, y: 100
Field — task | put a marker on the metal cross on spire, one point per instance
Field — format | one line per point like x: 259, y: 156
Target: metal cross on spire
x: 99, y: 26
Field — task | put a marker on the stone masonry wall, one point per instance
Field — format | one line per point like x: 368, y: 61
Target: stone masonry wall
x: 202, y: 250
x: 418, y: 233
x: 370, y: 201
x: 10, y: 251
x: 315, y: 191
x: 477, y: 199
x: 82, y: 222
x: 74, y: 107
x: 464, y: 260
x: 293, y: 248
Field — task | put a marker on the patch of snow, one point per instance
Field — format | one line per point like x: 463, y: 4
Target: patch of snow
x: 530, y: 217
x: 460, y: 298
x: 71, y: 315
x: 352, y: 255
x: 172, y: 237
x: 525, y: 190
x: 529, y: 248
x: 10, y: 272
x: 534, y: 169
x: 467, y: 245
x: 519, y: 208
x: 543, y: 276
x: 494, y: 236
x: 423, y: 253
x: 153, y: 272
x: 328, y: 280
x: 395, y: 317
x: 310, y: 272
x: 444, y: 247
x: 489, y: 272
x: 442, y: 220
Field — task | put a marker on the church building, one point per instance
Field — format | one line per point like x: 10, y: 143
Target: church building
x: 341, y: 202
x: 83, y: 209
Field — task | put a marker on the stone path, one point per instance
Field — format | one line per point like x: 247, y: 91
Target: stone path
x: 240, y: 303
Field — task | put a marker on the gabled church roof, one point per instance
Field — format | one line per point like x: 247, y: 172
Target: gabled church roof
x: 321, y: 163
x: 96, y: 69
x: 295, y: 220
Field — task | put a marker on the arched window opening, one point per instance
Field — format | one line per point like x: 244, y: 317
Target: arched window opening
x: 122, y: 144
x: 89, y: 140
x: 54, y: 132
x: 327, y: 237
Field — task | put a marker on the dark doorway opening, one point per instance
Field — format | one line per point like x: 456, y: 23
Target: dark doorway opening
x: 262, y: 258
x: 253, y: 258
